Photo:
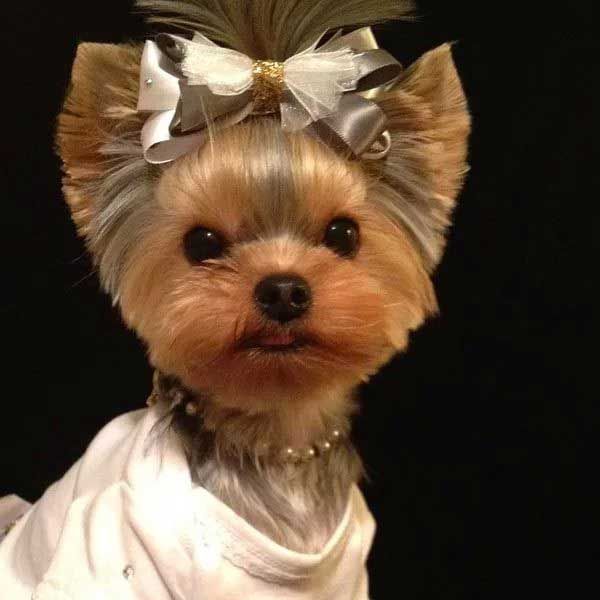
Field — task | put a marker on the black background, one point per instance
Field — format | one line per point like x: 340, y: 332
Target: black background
x: 478, y: 441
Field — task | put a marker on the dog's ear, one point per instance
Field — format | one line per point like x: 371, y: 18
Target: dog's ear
x: 430, y: 125
x: 100, y: 107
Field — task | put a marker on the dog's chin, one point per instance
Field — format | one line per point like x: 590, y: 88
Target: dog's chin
x: 270, y: 367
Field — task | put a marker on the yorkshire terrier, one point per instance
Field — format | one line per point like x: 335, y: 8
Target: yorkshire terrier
x: 269, y: 270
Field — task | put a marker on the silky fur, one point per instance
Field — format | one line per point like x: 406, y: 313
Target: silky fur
x: 271, y: 196
x: 271, y: 29
x: 296, y: 504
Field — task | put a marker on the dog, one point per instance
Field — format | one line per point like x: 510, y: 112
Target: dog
x: 269, y: 271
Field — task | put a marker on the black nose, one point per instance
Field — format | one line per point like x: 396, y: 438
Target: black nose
x: 283, y: 297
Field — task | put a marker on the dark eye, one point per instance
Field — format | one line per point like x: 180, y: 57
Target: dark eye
x: 342, y: 237
x: 201, y: 244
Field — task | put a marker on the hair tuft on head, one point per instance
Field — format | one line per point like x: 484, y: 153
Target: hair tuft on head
x: 271, y: 29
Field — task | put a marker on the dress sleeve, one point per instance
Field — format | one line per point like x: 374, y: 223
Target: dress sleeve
x: 26, y: 552
x: 29, y: 548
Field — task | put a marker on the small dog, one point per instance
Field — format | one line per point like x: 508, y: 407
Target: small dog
x: 267, y: 271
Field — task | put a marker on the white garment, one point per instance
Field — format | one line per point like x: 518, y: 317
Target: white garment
x: 12, y: 508
x: 127, y: 523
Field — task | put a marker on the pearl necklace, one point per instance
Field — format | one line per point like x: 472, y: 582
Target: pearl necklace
x: 169, y: 390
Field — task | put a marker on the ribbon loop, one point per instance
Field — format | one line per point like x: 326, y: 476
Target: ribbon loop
x: 326, y: 91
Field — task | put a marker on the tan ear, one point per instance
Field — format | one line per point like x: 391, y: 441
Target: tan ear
x: 430, y: 125
x: 434, y: 80
x: 100, y: 105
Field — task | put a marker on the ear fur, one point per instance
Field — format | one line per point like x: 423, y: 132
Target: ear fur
x: 100, y: 106
x: 430, y: 125
x: 434, y: 79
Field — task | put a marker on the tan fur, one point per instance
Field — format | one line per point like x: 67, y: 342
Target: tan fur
x: 430, y: 125
x: 430, y: 103
x: 194, y: 318
x: 100, y: 106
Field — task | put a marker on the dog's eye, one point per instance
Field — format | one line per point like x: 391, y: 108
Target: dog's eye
x: 201, y: 244
x: 342, y: 237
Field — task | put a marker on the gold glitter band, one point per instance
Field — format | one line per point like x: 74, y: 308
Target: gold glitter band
x: 268, y: 86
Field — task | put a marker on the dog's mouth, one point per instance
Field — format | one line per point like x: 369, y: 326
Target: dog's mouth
x: 275, y: 342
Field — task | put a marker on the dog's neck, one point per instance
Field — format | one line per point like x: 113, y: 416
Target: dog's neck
x: 288, y: 478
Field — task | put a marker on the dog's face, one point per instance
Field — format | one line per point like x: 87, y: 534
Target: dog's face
x: 265, y: 268
x: 264, y: 265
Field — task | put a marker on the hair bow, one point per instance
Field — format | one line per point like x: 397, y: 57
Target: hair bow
x: 327, y: 91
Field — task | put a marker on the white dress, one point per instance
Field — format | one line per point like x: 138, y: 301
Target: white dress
x: 127, y: 523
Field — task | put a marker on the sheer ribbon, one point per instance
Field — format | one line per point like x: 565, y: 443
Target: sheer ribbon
x: 327, y: 90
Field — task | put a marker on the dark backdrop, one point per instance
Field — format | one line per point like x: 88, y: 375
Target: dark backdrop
x: 478, y: 440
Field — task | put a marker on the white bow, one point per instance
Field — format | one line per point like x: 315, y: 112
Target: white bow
x: 316, y: 78
x: 208, y: 82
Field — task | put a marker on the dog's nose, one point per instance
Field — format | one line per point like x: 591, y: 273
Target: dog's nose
x: 283, y: 297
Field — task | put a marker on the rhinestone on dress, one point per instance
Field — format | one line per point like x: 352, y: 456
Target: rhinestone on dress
x: 128, y: 572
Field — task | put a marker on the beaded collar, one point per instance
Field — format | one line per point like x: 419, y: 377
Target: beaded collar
x: 186, y: 406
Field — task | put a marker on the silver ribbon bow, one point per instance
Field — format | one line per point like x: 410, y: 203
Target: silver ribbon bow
x: 326, y: 91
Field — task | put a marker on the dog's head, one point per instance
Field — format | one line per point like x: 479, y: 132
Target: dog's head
x: 264, y: 264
